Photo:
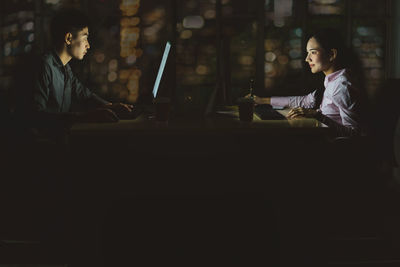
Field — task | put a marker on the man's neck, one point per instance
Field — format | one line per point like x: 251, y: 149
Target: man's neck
x: 63, y: 55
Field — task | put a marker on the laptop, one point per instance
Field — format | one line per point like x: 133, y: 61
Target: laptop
x: 138, y: 110
x: 161, y: 69
x: 268, y: 112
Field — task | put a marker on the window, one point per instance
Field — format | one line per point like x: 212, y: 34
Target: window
x: 217, y: 44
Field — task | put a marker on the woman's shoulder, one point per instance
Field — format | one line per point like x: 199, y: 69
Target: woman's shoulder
x: 344, y: 82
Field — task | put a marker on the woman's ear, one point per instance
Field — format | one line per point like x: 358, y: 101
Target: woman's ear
x: 333, y: 54
x: 68, y: 38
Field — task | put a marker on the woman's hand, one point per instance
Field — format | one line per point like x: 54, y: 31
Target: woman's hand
x: 260, y: 100
x: 301, y: 113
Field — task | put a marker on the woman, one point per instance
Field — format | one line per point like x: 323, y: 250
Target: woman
x: 338, y: 104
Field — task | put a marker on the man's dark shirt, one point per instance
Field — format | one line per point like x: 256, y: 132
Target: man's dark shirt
x: 56, y: 86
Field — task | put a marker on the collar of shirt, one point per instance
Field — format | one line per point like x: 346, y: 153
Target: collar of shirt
x: 56, y: 59
x: 57, y: 62
x: 333, y: 76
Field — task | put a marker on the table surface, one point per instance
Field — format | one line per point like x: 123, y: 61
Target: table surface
x: 227, y: 120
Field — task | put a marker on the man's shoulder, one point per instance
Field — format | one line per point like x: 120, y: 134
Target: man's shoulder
x: 47, y: 59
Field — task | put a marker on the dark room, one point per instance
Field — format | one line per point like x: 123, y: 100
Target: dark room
x: 199, y: 133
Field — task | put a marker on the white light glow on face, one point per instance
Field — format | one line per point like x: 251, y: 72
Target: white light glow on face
x: 80, y: 45
x: 316, y: 57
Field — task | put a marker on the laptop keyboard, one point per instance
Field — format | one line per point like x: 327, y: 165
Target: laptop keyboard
x: 266, y: 112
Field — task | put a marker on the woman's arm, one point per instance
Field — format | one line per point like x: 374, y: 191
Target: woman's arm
x: 338, y: 129
x: 306, y: 101
x: 345, y: 99
x: 262, y: 100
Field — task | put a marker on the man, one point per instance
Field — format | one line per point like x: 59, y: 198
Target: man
x: 48, y: 115
x: 56, y: 87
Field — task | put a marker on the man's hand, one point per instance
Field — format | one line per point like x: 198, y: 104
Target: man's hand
x: 302, y: 113
x: 119, y: 107
x: 260, y: 100
x: 99, y: 115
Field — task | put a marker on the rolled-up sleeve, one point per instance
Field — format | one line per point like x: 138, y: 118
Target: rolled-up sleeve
x: 306, y: 101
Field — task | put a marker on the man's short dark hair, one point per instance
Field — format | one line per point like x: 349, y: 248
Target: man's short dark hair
x: 67, y: 20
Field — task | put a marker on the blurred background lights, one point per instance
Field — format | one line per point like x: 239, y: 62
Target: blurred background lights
x: 268, y: 82
x: 150, y: 31
x: 357, y: 42
x: 283, y: 59
x: 295, y: 53
x: 15, y: 44
x: 136, y: 73
x: 28, y: 26
x: 186, y: 34
x: 113, y: 65
x: 379, y: 52
x: 268, y: 67
x: 7, y: 49
x: 210, y: 14
x: 295, y: 43
x: 193, y: 22
x: 362, y: 31
x: 27, y: 48
x: 270, y: 56
x: 279, y: 22
x: 31, y: 37
x: 246, y: 60
x: 133, y: 85
x: 99, y: 57
x: 325, y: 7
x: 298, y: 32
x: 123, y: 75
x: 131, y: 59
x: 296, y: 64
x: 130, y: 33
x: 202, y: 70
x: 129, y: 7
x: 112, y: 76
x: 272, y: 73
x: 53, y: 2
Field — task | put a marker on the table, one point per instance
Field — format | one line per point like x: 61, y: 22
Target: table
x: 216, y: 143
x: 217, y: 174
x: 225, y: 122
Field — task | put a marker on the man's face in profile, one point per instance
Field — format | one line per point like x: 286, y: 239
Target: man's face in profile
x: 80, y: 44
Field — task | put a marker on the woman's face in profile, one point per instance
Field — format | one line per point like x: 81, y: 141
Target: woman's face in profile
x: 317, y: 57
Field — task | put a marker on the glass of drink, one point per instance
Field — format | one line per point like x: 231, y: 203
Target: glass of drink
x: 246, y: 109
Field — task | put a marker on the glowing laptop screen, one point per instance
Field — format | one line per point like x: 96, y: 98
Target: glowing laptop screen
x: 161, y: 69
